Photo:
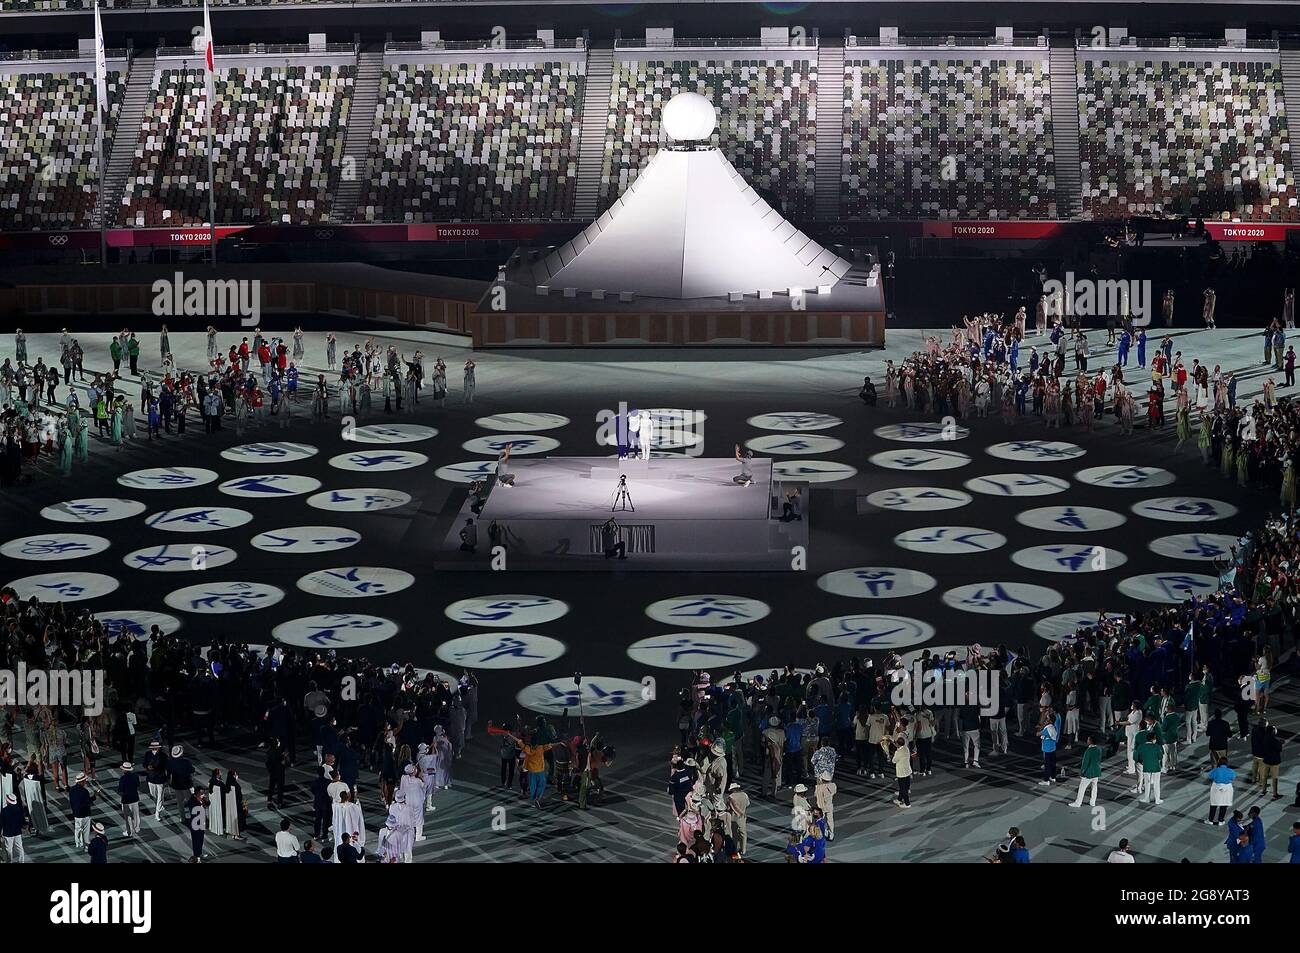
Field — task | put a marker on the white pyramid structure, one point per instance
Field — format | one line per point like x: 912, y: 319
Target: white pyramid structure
x: 690, y: 226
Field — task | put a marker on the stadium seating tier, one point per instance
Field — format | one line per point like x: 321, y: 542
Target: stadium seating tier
x: 766, y: 122
x: 278, y: 135
x: 1198, y: 138
x: 48, y: 157
x: 947, y: 138
x: 479, y: 140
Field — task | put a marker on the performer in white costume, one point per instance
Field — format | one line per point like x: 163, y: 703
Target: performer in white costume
x: 403, y: 810
x: 216, y: 805
x: 647, y: 434
x: 395, y: 840
x: 234, y: 803
x: 444, y: 754
x: 382, y: 847
x: 348, y: 820
x: 384, y: 842
x: 411, y: 792
x: 427, y: 762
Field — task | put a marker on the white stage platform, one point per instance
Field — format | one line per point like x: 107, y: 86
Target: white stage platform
x: 677, y: 488
x: 690, y: 514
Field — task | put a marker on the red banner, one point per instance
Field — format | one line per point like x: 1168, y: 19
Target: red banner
x: 1248, y: 232
x: 187, y: 235
x: 1035, y: 230
x: 556, y: 232
x: 997, y: 230
x: 379, y: 232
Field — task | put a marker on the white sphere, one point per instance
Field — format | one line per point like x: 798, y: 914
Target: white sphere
x: 689, y: 117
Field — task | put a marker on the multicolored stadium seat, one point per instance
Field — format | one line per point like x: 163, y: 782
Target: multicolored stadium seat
x: 480, y: 135
x: 766, y: 121
x: 953, y: 138
x: 1183, y: 136
x: 480, y: 140
x: 279, y: 133
x: 47, y: 148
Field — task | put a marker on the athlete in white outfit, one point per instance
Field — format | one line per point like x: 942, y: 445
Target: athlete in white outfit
x: 1130, y: 736
x: 647, y: 434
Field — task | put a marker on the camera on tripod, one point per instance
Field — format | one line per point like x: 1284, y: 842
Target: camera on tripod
x: 622, y: 498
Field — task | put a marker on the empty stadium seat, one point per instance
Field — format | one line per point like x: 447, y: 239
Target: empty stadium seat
x: 925, y: 136
x: 767, y: 110
x: 948, y: 138
x: 279, y: 133
x: 1197, y: 138
x: 47, y: 4
x: 48, y: 158
x: 478, y: 140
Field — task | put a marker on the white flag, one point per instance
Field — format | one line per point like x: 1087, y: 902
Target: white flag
x: 101, y: 70
x: 209, y: 62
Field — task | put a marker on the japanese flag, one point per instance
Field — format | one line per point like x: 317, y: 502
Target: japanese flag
x: 209, y: 64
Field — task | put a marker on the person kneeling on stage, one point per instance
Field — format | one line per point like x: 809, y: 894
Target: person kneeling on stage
x: 610, y: 542
x: 745, y: 457
x: 476, y: 498
x: 469, y: 537
x: 791, y: 509
x: 504, y: 477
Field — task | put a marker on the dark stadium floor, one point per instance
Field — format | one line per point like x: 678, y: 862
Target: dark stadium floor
x: 607, y: 613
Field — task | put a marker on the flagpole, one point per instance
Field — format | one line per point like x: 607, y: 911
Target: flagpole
x: 101, y: 97
x: 209, y: 65
x: 103, y: 239
x: 212, y: 195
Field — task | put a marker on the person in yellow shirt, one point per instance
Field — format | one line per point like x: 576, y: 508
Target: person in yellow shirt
x: 534, y: 761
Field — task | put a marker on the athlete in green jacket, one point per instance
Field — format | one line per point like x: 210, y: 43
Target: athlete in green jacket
x: 1089, y: 773
x: 1170, y: 728
x: 1150, y: 754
